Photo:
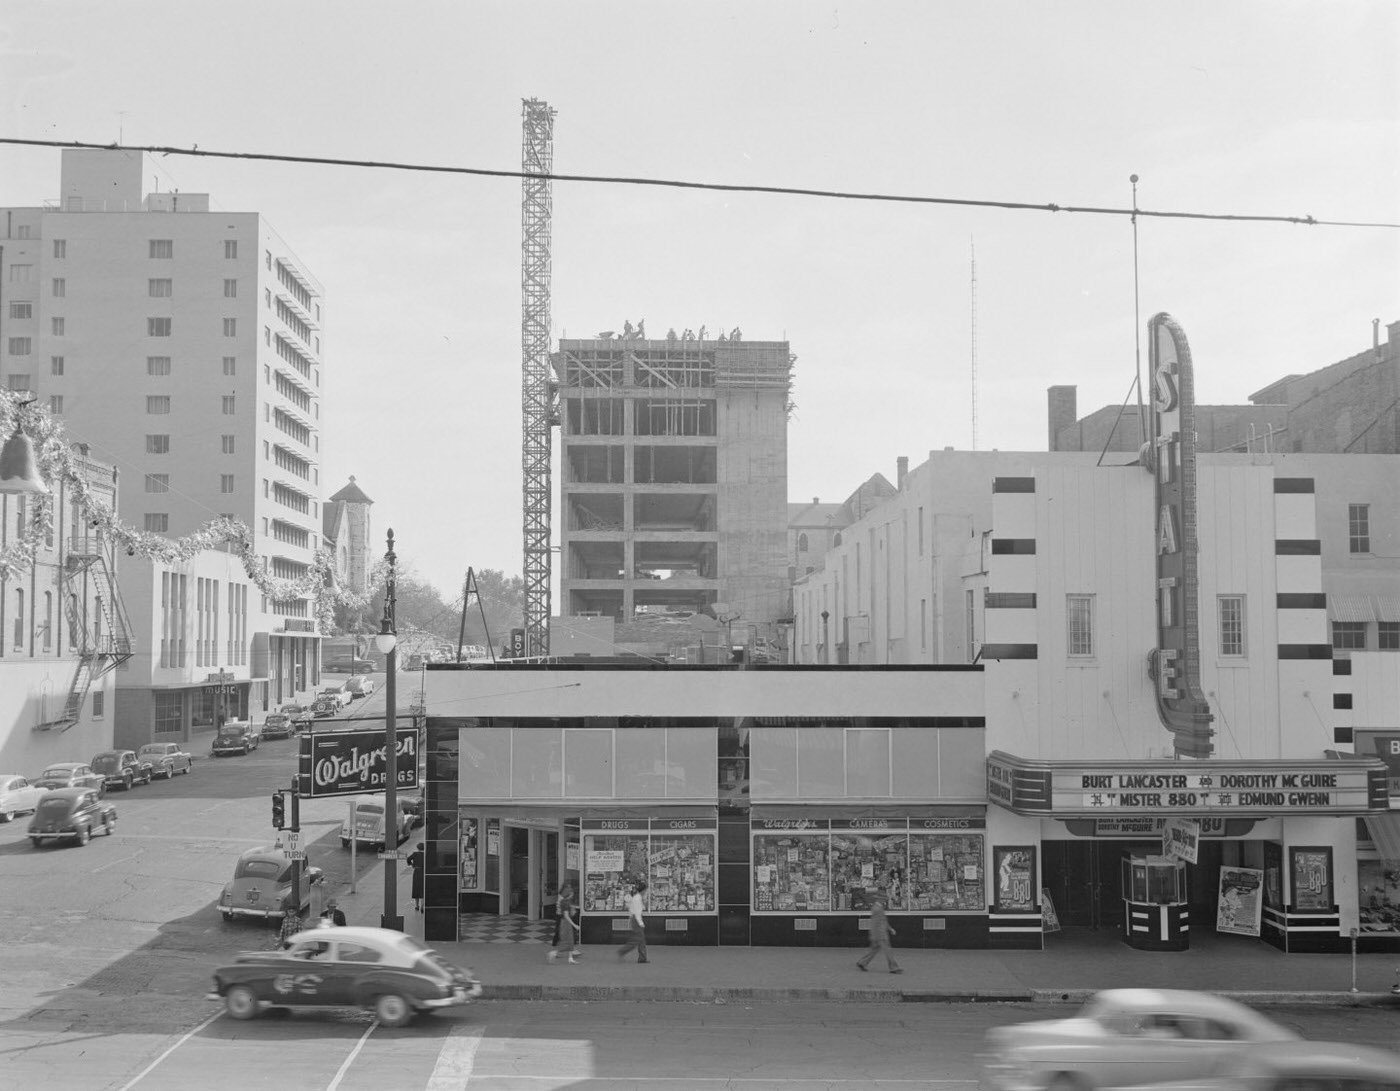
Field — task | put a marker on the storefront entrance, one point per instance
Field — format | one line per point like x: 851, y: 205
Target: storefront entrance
x: 1085, y: 879
x: 530, y: 871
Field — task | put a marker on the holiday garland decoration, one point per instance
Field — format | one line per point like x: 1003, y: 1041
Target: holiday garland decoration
x: 56, y: 461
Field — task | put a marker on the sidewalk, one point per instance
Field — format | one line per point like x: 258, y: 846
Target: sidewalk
x: 1075, y: 963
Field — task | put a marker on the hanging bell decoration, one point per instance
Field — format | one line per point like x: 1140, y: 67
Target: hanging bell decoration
x: 19, y: 470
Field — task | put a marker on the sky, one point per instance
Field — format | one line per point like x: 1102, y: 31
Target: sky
x: 1256, y: 107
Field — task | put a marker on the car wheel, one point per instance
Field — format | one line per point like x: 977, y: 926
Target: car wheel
x: 345, y: 842
x: 126, y: 783
x: 241, y: 1002
x: 84, y: 836
x: 108, y: 824
x: 392, y: 1010
x: 189, y: 767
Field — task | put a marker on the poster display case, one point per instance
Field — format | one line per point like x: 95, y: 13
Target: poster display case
x: 470, y: 876
x: 1311, y: 872
x: 1156, y: 916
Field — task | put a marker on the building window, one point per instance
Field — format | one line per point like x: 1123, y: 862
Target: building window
x: 157, y: 445
x: 17, y: 381
x: 1359, y: 527
x: 1349, y: 635
x: 228, y: 405
x: 1231, y: 611
x: 20, y: 346
x: 162, y: 248
x: 157, y: 327
x: 157, y: 522
x: 20, y: 274
x: 158, y: 404
x: 160, y: 288
x: 923, y: 624
x: 55, y: 403
x: 1388, y: 636
x: 267, y: 298
x: 21, y: 309
x: 227, y: 442
x: 267, y: 258
x: 230, y: 365
x: 56, y: 365
x: 802, y: 543
x: 60, y: 287
x: 230, y: 248
x: 157, y: 365
x: 226, y: 482
x: 99, y: 704
x: 157, y: 482
x: 1079, y: 615
x: 58, y: 325
x: 230, y: 327
x: 230, y: 289
x: 60, y: 248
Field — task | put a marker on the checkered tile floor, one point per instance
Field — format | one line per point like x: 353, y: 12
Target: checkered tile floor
x: 491, y: 928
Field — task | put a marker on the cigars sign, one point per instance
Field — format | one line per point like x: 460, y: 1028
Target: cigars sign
x: 343, y: 763
x: 1222, y: 788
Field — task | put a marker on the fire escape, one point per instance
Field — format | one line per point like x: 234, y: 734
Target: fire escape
x: 98, y: 625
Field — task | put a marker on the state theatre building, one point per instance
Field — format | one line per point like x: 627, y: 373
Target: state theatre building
x: 762, y: 805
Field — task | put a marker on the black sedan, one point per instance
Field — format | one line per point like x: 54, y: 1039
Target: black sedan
x: 387, y: 972
x: 72, y: 814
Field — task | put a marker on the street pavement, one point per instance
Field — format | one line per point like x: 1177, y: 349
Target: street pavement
x: 1074, y: 963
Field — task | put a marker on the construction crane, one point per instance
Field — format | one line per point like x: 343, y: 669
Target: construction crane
x: 538, y: 391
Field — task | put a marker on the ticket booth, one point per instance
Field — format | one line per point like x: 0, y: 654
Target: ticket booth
x: 1156, y: 911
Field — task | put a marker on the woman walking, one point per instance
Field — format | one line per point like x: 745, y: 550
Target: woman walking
x: 566, y: 924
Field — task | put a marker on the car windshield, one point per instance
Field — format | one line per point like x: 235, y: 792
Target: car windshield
x: 230, y: 730
x: 153, y: 751
x: 57, y: 774
x: 106, y: 763
x: 260, y: 869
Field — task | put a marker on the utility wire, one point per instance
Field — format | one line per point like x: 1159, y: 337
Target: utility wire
x: 722, y: 187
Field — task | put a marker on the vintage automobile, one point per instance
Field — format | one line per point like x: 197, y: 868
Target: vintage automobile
x: 166, y: 759
x: 359, y: 686
x: 71, y: 814
x: 302, y: 715
x: 69, y: 774
x: 122, y: 769
x: 369, y: 823
x: 1123, y: 1038
x: 348, y: 665
x: 278, y: 725
x: 262, y: 887
x: 1301, y: 1066
x: 391, y: 974
x: 325, y: 706
x: 17, y: 796
x: 235, y: 737
x: 340, y: 693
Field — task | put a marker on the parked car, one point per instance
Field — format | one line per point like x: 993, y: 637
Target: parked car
x: 1301, y: 1066
x: 414, y: 662
x: 17, y: 796
x: 359, y: 686
x: 278, y: 725
x: 339, y: 692
x: 235, y: 737
x: 166, y: 758
x: 350, y: 665
x: 1122, y: 1038
x: 262, y: 886
x: 369, y: 823
x: 122, y: 769
x: 69, y: 774
x: 325, y: 706
x: 71, y: 814
x: 302, y: 715
x: 413, y: 807
x: 386, y: 972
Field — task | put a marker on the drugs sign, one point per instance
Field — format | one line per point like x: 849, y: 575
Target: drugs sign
x: 343, y: 763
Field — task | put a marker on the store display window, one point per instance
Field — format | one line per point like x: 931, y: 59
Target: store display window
x: 1379, y: 884
x: 792, y: 869
x: 470, y: 876
x: 682, y: 869
x: 947, y: 871
x: 676, y: 857
x: 493, y: 855
x: 865, y: 861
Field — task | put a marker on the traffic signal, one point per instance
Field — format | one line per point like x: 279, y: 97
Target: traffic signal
x: 279, y: 811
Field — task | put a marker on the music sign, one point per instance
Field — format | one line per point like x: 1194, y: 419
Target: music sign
x: 343, y: 763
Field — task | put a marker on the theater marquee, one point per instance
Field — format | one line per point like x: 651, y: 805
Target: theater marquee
x: 1226, y: 788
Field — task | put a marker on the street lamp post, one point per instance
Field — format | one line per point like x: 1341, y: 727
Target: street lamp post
x: 386, y: 640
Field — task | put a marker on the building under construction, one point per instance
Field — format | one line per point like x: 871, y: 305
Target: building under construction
x: 674, y: 481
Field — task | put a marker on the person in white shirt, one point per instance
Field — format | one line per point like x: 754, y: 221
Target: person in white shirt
x: 638, y: 937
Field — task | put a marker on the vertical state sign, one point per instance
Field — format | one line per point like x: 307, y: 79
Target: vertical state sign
x: 1171, y: 457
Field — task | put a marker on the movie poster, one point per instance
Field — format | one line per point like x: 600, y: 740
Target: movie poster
x: 1016, y: 886
x: 1241, y: 901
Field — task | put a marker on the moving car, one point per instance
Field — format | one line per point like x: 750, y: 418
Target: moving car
x: 68, y: 774
x: 235, y: 737
x: 262, y: 886
x: 278, y: 725
x: 340, y: 693
x: 17, y: 796
x: 71, y: 814
x: 1122, y: 1038
x: 122, y: 769
x: 1302, y: 1066
x: 359, y: 686
x: 349, y: 666
x: 166, y: 759
x: 387, y: 972
x: 369, y: 823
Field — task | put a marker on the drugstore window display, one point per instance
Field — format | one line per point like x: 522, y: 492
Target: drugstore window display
x: 679, y: 867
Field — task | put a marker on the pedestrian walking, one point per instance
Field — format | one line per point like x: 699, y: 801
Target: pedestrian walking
x: 333, y: 914
x: 880, y: 933
x: 566, y: 924
x: 415, y: 861
x: 637, y: 940
x: 291, y: 925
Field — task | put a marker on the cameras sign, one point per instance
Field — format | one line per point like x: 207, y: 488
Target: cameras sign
x: 344, y: 763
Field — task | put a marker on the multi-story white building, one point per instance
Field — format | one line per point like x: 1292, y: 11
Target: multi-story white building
x: 183, y: 345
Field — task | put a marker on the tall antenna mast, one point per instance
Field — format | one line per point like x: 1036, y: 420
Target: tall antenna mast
x: 537, y: 391
x: 974, y: 344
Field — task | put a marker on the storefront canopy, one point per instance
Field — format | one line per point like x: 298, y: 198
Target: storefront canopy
x: 1385, y: 832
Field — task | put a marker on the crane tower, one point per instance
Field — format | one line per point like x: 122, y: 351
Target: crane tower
x: 537, y: 388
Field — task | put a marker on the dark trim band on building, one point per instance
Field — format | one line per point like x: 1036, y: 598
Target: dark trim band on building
x: 1009, y: 600
x: 1293, y: 484
x: 1305, y: 651
x: 1013, y: 546
x: 1009, y: 651
x: 1298, y: 547
x: 1013, y: 484
x: 1301, y: 600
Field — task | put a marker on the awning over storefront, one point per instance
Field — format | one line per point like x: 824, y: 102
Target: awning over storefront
x: 530, y: 811
x: 1385, y: 832
x: 1388, y: 607
x: 761, y: 811
x: 1350, y: 608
